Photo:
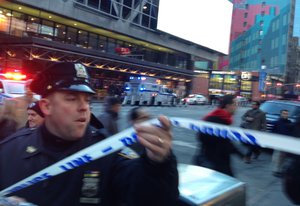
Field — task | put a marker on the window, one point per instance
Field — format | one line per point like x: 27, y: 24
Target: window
x: 261, y: 23
x: 71, y: 35
x: 93, y: 41
x: 111, y: 45
x: 263, y: 13
x: 82, y: 39
x: 261, y: 32
x: 47, y: 29
x: 93, y: 3
x: 245, y: 24
x: 246, y: 6
x: 60, y: 33
x: 18, y: 24
x: 245, y: 15
x: 105, y: 6
x: 102, y: 45
x: 33, y: 26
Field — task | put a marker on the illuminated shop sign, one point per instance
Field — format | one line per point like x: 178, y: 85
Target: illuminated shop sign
x: 246, y: 76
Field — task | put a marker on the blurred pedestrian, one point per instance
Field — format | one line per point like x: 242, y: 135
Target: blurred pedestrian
x: 109, y: 117
x: 110, y: 181
x: 215, y: 152
x: 281, y: 126
x: 253, y: 119
x: 35, y: 115
x: 8, y: 119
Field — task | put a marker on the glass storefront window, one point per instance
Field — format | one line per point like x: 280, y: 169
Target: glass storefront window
x: 60, y: 33
x: 216, y: 81
x: 111, y: 45
x: 82, y: 39
x: 215, y: 85
x: 18, y: 24
x: 33, y: 26
x: 5, y: 18
x: 47, y: 29
x: 102, y: 43
x: 230, y: 79
x: 246, y: 86
x: 232, y: 87
x: 93, y: 41
x: 71, y: 35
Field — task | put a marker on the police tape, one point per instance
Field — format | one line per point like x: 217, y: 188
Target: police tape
x: 128, y: 137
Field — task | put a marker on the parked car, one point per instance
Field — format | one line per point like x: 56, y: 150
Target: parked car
x: 196, y: 99
x: 272, y: 109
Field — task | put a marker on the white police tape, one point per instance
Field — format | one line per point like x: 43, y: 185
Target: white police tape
x: 128, y: 137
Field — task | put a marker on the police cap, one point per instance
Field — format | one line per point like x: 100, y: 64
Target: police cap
x: 63, y: 76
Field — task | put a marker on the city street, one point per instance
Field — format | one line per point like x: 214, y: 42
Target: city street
x: 263, y: 189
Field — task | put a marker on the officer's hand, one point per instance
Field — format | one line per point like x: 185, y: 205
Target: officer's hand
x: 157, y: 141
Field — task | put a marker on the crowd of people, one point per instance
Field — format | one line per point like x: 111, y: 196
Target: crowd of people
x: 61, y: 123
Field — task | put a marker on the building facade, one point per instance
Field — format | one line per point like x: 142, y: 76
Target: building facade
x: 265, y: 39
x: 114, y: 39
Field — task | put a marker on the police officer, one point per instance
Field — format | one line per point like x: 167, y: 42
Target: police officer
x: 35, y: 115
x: 110, y: 181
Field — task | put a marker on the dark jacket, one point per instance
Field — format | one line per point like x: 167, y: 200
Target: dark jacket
x: 258, y: 122
x: 7, y: 127
x: 283, y: 126
x: 110, y: 181
x: 215, y: 152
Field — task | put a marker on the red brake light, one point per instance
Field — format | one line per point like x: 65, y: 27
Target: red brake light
x: 14, y: 76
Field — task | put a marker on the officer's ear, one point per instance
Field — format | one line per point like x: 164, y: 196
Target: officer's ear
x: 44, y: 104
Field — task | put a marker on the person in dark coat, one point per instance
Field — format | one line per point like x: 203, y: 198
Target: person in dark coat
x: 282, y: 126
x: 113, y: 180
x: 215, y: 152
x: 253, y: 119
x: 109, y: 117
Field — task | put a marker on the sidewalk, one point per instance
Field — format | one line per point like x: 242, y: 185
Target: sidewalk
x: 263, y: 189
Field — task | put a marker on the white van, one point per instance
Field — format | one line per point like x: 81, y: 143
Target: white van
x: 145, y: 91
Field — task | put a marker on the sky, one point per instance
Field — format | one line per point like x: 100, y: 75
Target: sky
x: 204, y: 22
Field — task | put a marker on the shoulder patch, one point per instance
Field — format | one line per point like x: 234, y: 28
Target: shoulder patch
x: 128, y: 153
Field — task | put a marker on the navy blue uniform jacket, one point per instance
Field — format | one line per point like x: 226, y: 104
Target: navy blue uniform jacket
x: 109, y: 181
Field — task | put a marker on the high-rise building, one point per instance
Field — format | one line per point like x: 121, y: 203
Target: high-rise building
x: 115, y: 39
x: 265, y: 38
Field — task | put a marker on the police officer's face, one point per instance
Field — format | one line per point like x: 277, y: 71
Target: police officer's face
x: 67, y: 114
x: 34, y: 119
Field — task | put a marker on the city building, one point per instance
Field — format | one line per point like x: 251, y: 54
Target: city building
x: 114, y: 39
x: 265, y: 39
